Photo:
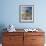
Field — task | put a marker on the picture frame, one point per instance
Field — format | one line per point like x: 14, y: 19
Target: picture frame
x: 26, y: 13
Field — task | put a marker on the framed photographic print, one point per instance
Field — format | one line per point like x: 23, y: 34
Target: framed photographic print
x: 26, y: 13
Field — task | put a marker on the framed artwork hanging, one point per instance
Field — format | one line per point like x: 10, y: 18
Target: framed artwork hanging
x: 26, y: 13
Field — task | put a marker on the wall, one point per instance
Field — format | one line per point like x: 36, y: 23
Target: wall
x: 10, y: 13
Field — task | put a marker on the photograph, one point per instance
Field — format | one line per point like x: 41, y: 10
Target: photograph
x: 22, y: 23
x: 26, y: 13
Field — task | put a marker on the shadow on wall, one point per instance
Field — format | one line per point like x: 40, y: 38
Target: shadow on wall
x: 2, y: 26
